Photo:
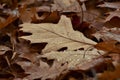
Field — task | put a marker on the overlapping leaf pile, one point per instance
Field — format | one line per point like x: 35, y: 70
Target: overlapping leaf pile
x: 59, y: 40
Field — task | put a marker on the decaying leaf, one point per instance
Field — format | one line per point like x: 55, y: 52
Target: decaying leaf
x: 59, y: 51
x: 112, y: 22
x: 43, y: 71
x: 115, y: 5
x: 107, y: 34
x: 27, y: 50
x: 113, y: 14
x: 57, y: 35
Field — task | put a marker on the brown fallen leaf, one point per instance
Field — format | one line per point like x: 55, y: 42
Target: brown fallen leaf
x: 98, y: 65
x: 92, y: 12
x: 26, y: 15
x: 113, y: 14
x: 110, y: 75
x: 109, y: 46
x: 57, y: 35
x: 112, y: 22
x: 107, y: 34
x: 8, y: 21
x: 72, y: 75
x: 43, y: 71
x: 115, y: 5
x: 27, y: 50
x: 24, y: 2
x: 76, y: 59
x: 33, y: 51
x: 46, y: 17
x: 67, y: 6
x: 116, y: 58
x: 8, y: 67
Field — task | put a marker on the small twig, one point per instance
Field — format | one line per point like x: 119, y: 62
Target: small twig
x: 87, y: 50
x: 8, y: 62
x: 82, y: 14
x: 13, y: 56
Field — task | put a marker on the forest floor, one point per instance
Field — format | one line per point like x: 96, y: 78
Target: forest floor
x: 59, y: 39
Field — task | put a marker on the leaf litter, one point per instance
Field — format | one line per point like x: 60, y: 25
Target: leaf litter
x: 59, y: 40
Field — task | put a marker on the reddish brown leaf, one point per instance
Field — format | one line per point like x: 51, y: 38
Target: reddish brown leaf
x: 109, y: 46
x: 9, y: 20
x: 112, y: 22
x: 111, y: 75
